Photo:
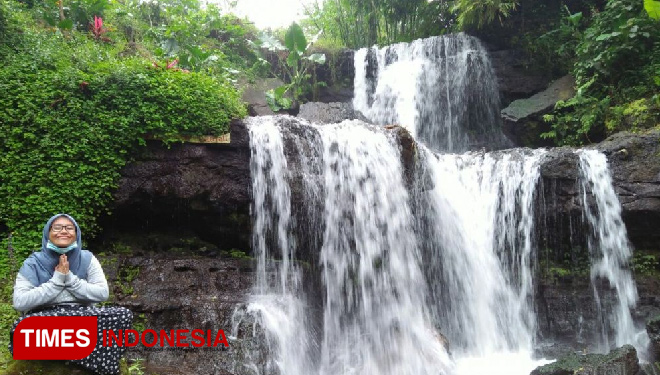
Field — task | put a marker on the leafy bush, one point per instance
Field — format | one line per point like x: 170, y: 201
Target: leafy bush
x: 70, y: 116
x: 617, y: 71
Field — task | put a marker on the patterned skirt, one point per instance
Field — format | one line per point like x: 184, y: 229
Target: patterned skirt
x: 104, y: 360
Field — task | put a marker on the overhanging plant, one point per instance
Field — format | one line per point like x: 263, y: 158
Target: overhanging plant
x: 295, y: 60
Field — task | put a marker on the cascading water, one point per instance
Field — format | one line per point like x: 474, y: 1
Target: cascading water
x: 611, y: 253
x: 400, y: 254
x: 442, y: 89
x: 375, y: 317
x: 277, y: 304
x: 481, y: 207
x: 478, y: 222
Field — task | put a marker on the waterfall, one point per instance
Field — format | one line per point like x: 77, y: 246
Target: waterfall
x: 278, y: 305
x: 480, y: 239
x: 442, y: 89
x: 375, y: 317
x: 373, y: 253
x: 611, y: 253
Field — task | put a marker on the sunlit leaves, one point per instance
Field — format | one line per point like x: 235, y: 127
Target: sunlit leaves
x: 652, y: 7
x: 480, y: 13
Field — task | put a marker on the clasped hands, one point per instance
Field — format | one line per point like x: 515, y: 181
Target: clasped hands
x: 63, y: 266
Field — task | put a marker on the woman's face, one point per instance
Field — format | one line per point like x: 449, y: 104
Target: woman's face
x: 65, y: 236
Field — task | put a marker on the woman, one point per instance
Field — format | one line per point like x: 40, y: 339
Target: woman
x: 64, y: 280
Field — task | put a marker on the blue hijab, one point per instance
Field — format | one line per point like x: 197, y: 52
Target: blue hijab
x: 40, y: 266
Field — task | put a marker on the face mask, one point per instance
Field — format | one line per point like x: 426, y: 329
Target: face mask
x: 62, y: 250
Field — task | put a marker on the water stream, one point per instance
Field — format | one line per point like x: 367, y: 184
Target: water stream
x: 611, y: 254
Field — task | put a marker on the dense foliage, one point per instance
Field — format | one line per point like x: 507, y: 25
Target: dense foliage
x: 80, y: 95
x: 617, y: 69
x: 356, y: 24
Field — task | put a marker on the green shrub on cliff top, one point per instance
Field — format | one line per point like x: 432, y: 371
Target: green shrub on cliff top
x: 71, y: 112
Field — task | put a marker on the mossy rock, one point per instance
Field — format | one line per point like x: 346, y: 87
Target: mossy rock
x: 653, y: 325
x: 620, y: 361
x: 53, y: 368
x: 44, y: 368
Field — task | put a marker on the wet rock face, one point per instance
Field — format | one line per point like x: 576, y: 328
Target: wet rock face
x: 635, y: 165
x: 514, y: 81
x: 200, y: 188
x: 204, y: 191
x: 175, y: 292
x: 653, y: 329
x: 564, y: 295
x: 567, y: 316
x: 523, y: 118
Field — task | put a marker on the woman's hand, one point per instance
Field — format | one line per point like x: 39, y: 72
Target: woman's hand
x: 63, y: 266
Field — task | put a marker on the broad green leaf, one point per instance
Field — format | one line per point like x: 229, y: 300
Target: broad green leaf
x: 292, y: 59
x: 575, y: 18
x: 294, y: 39
x: 318, y: 58
x: 270, y: 42
x: 286, y: 103
x: 279, y: 92
x: 603, y: 37
x: 653, y: 9
x: 271, y: 101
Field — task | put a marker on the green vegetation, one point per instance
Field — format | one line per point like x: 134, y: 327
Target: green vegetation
x: 356, y: 24
x: 480, y: 13
x: 75, y: 107
x: 82, y: 88
x: 125, y: 279
x: 235, y: 253
x: 562, y: 265
x: 645, y: 263
x: 617, y: 70
x: 295, y: 65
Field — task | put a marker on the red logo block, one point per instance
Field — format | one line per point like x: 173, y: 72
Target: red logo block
x: 55, y: 337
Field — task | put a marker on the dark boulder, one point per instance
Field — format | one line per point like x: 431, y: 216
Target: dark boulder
x: 515, y: 81
x: 523, y: 118
x: 329, y: 113
x: 634, y: 161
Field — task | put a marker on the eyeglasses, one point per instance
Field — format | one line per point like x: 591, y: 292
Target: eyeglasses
x: 59, y: 227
